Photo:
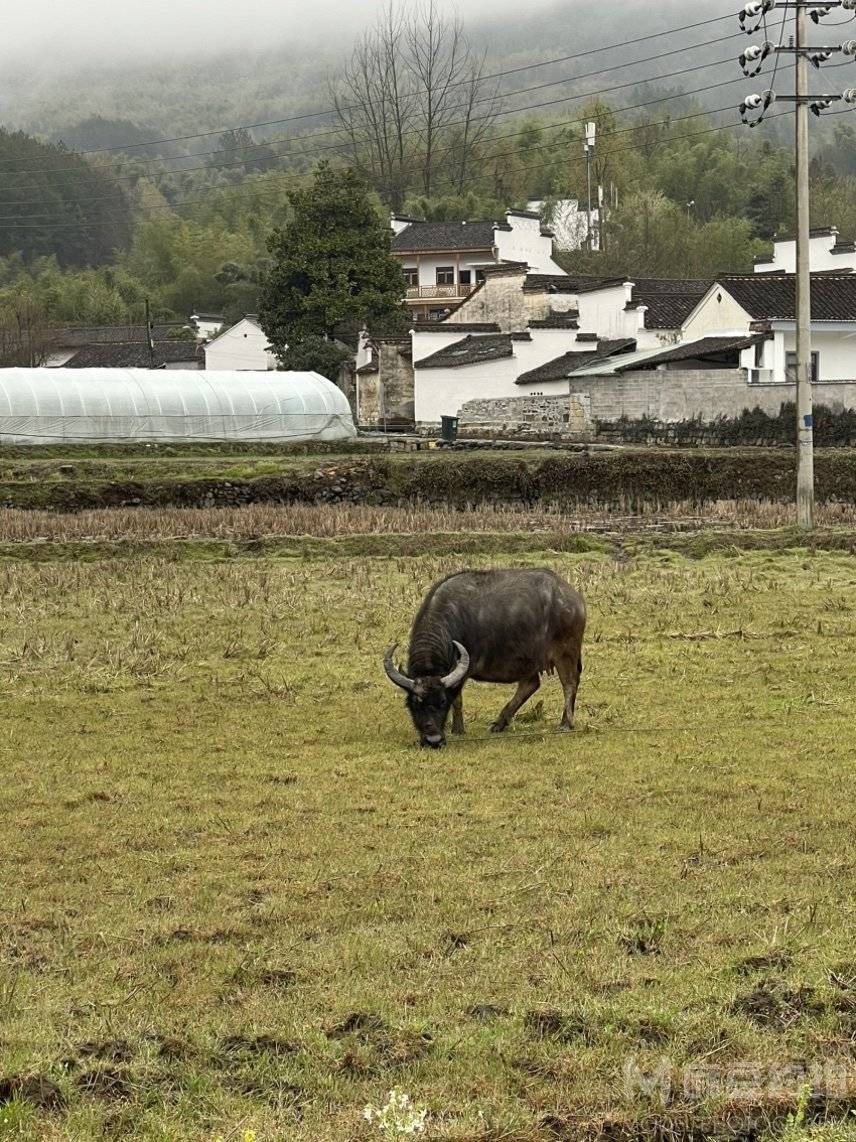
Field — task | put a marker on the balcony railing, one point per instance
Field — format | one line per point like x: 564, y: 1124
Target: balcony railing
x: 428, y: 293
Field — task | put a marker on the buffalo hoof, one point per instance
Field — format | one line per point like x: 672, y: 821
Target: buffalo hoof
x: 564, y: 727
x: 498, y: 727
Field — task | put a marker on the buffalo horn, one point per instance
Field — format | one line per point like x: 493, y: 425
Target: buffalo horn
x: 393, y: 673
x: 460, y: 671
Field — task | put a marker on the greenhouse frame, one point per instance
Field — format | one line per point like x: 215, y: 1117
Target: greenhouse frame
x: 50, y: 406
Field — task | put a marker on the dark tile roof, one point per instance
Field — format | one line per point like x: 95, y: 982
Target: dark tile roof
x: 561, y: 367
x: 76, y: 336
x: 469, y: 351
x: 668, y: 301
x: 456, y: 326
x: 557, y: 320
x: 549, y: 283
x: 841, y: 247
x: 707, y: 348
x: 420, y: 236
x: 135, y: 355
x: 771, y: 297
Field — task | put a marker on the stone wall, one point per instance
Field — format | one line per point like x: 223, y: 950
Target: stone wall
x: 656, y: 398
x: 540, y: 417
x: 674, y: 395
x: 386, y: 396
x: 501, y: 299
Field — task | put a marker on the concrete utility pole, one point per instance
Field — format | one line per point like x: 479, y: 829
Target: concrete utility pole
x: 588, y: 147
x: 805, y: 429
x: 149, y: 339
x: 752, y: 111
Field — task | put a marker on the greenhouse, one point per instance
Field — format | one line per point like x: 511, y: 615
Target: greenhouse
x: 46, y: 406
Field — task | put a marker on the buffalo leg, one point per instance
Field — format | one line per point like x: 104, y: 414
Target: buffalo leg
x: 458, y: 714
x: 524, y: 692
x: 570, y: 668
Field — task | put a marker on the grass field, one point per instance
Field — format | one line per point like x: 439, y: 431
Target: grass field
x: 235, y: 897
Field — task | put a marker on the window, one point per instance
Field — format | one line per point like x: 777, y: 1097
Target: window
x: 411, y: 278
x: 479, y: 275
x: 759, y: 354
x: 445, y: 275
x: 465, y: 277
x: 791, y: 367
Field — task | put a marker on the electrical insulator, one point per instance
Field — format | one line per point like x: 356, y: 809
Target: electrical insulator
x: 819, y: 105
x: 850, y: 5
x: 817, y: 14
x: 756, y: 102
x: 755, y: 11
x: 753, y: 58
x: 849, y: 96
x: 817, y: 58
x: 849, y: 47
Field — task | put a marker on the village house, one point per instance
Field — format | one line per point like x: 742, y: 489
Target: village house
x: 122, y: 347
x: 827, y: 252
x: 242, y: 347
x: 767, y: 303
x: 444, y: 262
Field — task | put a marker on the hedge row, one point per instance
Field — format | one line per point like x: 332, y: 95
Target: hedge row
x: 626, y: 478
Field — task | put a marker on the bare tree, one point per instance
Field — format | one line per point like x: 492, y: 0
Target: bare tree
x: 25, y: 340
x: 375, y: 106
x: 414, y: 103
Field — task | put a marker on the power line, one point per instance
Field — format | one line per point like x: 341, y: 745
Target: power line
x: 490, y: 98
x: 346, y: 148
x: 334, y: 110
x: 528, y: 167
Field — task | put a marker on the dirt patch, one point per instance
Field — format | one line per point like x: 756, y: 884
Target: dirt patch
x: 770, y: 1004
x: 550, y: 1023
x: 108, y: 1084
x: 486, y: 1012
x: 108, y: 1050
x: 35, y: 1089
x: 777, y: 960
x: 258, y: 1045
x: 454, y: 942
x: 643, y: 936
x: 363, y: 1024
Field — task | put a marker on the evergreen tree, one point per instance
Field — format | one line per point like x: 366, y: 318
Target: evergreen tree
x: 331, y: 269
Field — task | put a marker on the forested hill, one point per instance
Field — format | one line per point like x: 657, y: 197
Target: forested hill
x: 205, y: 91
x: 53, y: 203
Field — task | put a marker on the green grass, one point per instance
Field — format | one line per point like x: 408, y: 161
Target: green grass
x: 236, y: 897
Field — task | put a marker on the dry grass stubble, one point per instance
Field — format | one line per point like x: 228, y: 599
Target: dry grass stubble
x: 236, y: 896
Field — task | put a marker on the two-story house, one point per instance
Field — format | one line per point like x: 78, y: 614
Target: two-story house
x: 443, y: 262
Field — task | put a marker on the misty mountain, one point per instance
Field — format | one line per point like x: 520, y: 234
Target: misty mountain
x: 207, y: 90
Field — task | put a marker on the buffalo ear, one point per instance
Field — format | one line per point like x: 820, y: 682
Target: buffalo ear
x: 459, y: 672
x: 394, y: 674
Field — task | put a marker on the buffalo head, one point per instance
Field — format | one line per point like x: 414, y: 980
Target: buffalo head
x: 430, y: 697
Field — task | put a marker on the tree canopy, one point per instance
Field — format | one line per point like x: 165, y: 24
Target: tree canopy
x: 331, y: 268
x: 53, y: 202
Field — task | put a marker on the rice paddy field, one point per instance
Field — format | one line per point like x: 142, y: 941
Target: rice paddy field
x: 237, y: 902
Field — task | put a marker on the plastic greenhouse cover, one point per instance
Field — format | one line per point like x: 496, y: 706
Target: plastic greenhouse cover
x: 44, y: 406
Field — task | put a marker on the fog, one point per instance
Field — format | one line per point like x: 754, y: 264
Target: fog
x: 59, y: 34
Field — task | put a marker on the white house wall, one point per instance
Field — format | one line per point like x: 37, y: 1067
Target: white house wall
x: 524, y: 242
x: 784, y: 260
x: 717, y: 312
x: 428, y: 264
x: 602, y: 311
x: 442, y: 392
x: 244, y: 348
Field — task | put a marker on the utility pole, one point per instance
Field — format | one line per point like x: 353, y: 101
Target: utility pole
x: 588, y: 147
x: 752, y: 111
x: 805, y: 429
x: 149, y: 339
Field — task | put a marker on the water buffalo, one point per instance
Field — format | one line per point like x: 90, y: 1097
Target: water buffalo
x: 491, y: 626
